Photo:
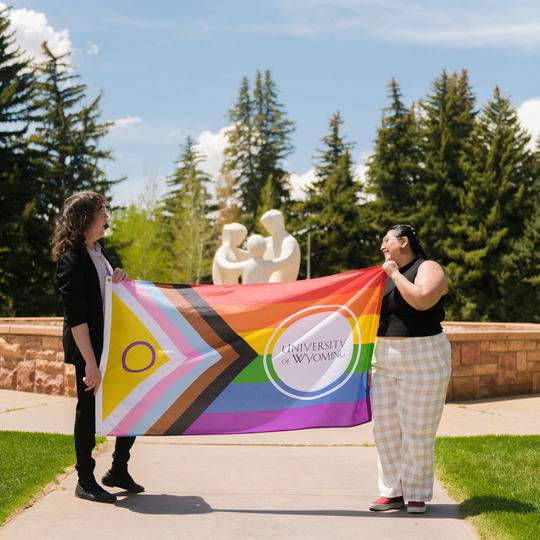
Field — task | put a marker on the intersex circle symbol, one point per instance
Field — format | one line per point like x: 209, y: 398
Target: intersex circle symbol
x: 152, y: 362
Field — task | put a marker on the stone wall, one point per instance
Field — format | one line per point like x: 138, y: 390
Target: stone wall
x: 493, y: 359
x: 488, y: 359
x: 32, y: 357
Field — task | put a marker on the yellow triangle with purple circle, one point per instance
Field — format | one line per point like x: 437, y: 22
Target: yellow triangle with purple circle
x: 134, y: 355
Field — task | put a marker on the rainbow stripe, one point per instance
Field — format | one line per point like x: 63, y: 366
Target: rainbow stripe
x: 211, y: 359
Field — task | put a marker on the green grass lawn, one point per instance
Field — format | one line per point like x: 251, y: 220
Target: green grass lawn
x: 496, y: 480
x: 28, y: 462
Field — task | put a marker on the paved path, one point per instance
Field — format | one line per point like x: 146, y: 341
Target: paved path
x: 310, y: 484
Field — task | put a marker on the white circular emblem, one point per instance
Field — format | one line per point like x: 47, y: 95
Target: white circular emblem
x: 313, y: 352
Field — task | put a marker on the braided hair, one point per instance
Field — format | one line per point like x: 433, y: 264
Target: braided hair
x: 402, y: 230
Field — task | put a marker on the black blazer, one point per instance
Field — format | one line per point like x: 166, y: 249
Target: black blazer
x: 78, y: 283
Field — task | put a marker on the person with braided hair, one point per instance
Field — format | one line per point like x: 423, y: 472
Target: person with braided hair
x: 410, y: 372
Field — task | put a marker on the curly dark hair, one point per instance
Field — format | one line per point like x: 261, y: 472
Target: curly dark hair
x: 402, y: 230
x: 77, y: 214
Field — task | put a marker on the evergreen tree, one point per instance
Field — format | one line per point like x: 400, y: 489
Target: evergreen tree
x: 258, y: 143
x: 23, y: 290
x: 331, y: 211
x: 137, y: 237
x: 227, y: 201
x: 239, y: 154
x: 393, y: 169
x: 521, y: 269
x: 68, y: 135
x: 67, y: 138
x: 273, y: 131
x: 269, y: 201
x: 446, y: 122
x: 492, y: 269
x: 189, y: 228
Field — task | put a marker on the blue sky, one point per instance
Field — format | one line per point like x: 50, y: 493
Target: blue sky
x: 172, y: 68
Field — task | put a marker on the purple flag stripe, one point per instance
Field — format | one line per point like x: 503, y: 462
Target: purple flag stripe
x: 315, y: 416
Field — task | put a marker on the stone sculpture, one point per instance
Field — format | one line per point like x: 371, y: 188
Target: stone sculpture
x: 281, y: 247
x: 272, y: 259
x: 232, y: 236
x: 256, y: 269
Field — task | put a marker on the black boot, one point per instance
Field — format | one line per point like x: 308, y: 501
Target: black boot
x: 121, y: 479
x: 117, y: 475
x: 87, y: 488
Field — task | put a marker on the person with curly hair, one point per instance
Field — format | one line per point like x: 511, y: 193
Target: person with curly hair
x: 83, y: 266
x: 410, y: 372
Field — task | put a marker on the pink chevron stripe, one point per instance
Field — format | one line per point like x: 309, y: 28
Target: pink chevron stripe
x: 181, y: 343
x: 148, y: 401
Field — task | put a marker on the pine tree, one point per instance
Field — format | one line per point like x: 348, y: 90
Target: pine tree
x: 258, y: 143
x: 393, y: 169
x: 23, y: 291
x: 137, y: 237
x: 331, y: 211
x: 239, y: 153
x: 446, y: 122
x: 66, y: 138
x: 492, y: 273
x: 187, y: 206
x: 68, y: 135
x: 273, y: 131
x: 227, y: 201
x: 269, y: 201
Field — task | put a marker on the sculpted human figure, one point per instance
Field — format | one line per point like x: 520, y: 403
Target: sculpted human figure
x: 256, y: 269
x: 233, y: 235
x: 281, y: 247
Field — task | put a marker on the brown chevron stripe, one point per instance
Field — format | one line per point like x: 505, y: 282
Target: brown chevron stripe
x: 214, y: 331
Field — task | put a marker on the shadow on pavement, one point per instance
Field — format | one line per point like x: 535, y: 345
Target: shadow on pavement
x: 148, y: 503
x: 156, y: 504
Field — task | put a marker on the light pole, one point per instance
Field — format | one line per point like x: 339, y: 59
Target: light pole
x: 308, y: 270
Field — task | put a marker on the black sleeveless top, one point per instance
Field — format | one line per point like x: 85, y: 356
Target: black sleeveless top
x: 399, y: 319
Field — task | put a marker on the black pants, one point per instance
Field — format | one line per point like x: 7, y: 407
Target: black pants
x: 85, y: 429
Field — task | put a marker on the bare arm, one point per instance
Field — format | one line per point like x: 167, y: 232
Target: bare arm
x: 428, y: 287
x: 81, y: 335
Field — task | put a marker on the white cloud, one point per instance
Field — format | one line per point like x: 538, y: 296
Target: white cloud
x: 452, y: 23
x: 212, y: 146
x: 93, y: 49
x: 125, y: 122
x: 176, y: 132
x: 298, y: 182
x: 360, y: 171
x: 32, y: 29
x: 526, y: 35
x: 361, y: 166
x: 529, y: 117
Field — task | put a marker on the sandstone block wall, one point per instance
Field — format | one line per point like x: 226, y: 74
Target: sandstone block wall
x: 493, y: 359
x: 32, y: 357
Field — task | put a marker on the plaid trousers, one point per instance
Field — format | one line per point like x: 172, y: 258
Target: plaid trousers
x: 408, y: 389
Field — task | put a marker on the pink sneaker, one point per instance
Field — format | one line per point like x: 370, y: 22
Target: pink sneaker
x: 416, y: 507
x: 384, y: 503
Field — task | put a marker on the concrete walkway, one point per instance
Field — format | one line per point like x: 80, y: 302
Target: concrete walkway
x: 313, y: 484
